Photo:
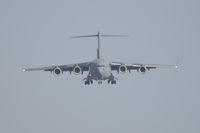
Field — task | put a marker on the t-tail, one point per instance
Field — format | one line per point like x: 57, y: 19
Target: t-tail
x: 99, y: 35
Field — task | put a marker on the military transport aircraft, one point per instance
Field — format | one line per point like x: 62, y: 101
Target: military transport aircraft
x: 100, y: 69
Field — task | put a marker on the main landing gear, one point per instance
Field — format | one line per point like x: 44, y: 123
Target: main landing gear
x: 88, y: 82
x: 112, y: 81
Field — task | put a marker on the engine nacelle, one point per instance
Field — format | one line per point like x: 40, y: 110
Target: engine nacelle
x: 142, y: 70
x: 77, y: 70
x: 57, y: 71
x: 122, y: 69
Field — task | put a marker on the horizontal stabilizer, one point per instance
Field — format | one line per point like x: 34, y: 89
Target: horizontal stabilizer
x: 114, y: 35
x: 83, y: 36
x: 99, y: 35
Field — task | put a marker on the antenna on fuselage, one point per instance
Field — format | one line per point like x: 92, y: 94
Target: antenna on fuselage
x: 99, y: 35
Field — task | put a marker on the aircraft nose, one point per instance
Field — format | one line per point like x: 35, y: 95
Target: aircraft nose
x: 100, y: 70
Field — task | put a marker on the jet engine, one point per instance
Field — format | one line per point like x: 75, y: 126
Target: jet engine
x: 57, y: 71
x: 122, y: 69
x: 142, y: 69
x: 77, y: 70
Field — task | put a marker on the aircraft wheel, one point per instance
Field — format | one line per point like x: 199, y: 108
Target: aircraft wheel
x: 91, y: 81
x: 87, y: 82
x: 100, y: 82
x: 113, y: 82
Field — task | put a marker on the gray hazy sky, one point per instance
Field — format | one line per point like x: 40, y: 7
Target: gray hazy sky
x: 35, y: 33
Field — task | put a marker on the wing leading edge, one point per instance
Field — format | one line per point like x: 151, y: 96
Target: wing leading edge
x: 70, y: 67
x: 136, y: 66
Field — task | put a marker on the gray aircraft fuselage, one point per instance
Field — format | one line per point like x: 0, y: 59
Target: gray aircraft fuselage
x: 100, y: 70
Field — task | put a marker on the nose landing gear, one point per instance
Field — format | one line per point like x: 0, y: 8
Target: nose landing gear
x: 99, y: 82
x: 112, y: 81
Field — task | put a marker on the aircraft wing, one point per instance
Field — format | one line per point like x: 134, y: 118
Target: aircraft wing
x: 70, y: 67
x: 136, y: 66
